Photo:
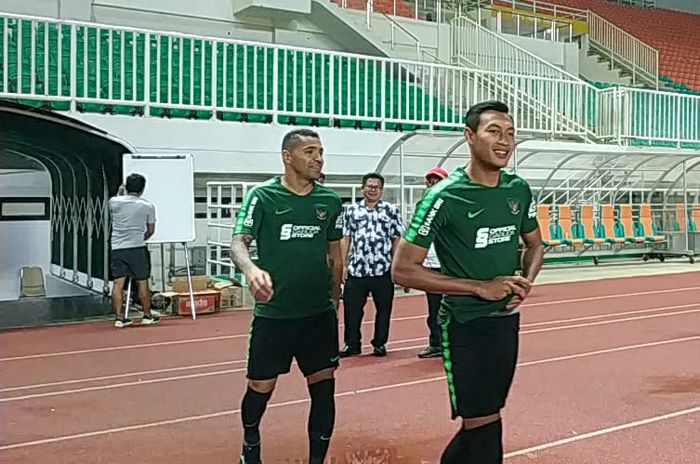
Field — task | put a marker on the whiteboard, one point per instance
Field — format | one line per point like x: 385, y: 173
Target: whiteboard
x: 170, y: 187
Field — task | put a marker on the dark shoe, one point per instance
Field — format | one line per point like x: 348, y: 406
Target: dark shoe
x: 430, y: 352
x: 150, y: 319
x: 250, y: 454
x: 379, y: 351
x: 349, y: 351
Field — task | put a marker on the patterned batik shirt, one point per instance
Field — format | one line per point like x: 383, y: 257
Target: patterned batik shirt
x: 372, y: 232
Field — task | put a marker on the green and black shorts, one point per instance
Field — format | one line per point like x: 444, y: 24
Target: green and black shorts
x: 480, y: 358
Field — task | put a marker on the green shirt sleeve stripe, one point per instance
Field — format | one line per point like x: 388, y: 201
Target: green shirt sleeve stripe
x: 426, y: 204
x: 243, y: 212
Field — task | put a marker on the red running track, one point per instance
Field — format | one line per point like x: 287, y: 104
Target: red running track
x: 608, y: 373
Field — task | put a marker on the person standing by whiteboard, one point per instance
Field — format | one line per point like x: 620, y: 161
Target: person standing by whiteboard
x: 133, y: 222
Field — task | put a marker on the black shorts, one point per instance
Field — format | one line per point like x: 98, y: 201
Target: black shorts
x: 131, y: 262
x: 312, y: 341
x: 480, y: 358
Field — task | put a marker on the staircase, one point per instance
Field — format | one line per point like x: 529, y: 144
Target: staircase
x: 537, y: 90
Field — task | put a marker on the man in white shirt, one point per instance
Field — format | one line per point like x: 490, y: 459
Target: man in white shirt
x: 133, y: 222
x: 434, y: 347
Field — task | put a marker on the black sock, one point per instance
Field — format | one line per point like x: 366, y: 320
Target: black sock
x: 481, y: 445
x: 486, y: 444
x: 321, y: 419
x: 252, y: 408
x: 457, y: 451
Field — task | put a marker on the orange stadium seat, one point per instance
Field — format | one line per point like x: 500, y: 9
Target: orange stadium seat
x: 647, y: 225
x: 589, y: 234
x: 628, y: 225
x: 566, y: 227
x: 545, y: 226
x: 607, y: 219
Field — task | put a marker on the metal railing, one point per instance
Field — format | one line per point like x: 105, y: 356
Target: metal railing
x: 649, y: 116
x: 128, y: 70
x: 488, y: 50
x: 90, y: 67
x: 618, y: 45
x: 561, y: 101
x: 624, y: 48
x: 523, y: 24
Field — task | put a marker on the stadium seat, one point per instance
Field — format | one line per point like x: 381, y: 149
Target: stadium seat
x: 569, y: 236
x: 679, y: 223
x: 647, y: 226
x: 627, y: 223
x: 311, y: 83
x: 608, y: 226
x: 546, y: 227
x: 589, y: 235
x: 695, y: 217
x: 673, y: 33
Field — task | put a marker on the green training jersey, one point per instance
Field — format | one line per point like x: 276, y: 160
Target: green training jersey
x: 292, y: 234
x: 476, y: 232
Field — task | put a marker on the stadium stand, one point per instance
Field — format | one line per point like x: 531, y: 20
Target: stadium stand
x: 674, y: 34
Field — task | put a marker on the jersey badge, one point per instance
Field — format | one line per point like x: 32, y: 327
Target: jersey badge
x: 514, y: 205
x: 321, y: 214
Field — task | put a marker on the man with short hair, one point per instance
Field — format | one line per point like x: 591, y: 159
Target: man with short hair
x: 297, y: 226
x: 371, y: 229
x: 434, y: 348
x: 133, y: 221
x: 476, y: 217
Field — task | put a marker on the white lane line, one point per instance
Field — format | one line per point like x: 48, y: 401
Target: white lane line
x: 597, y: 433
x: 613, y: 321
x: 231, y: 371
x: 603, y: 316
x: 305, y: 400
x: 245, y: 335
x: 408, y: 340
x: 611, y: 296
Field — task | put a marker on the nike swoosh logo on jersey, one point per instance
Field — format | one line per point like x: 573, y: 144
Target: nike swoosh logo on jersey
x: 472, y: 215
x: 282, y: 211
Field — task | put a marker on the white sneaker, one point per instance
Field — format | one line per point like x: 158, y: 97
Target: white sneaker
x: 150, y: 319
x: 119, y: 323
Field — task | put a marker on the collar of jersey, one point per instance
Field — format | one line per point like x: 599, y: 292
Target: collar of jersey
x: 469, y: 181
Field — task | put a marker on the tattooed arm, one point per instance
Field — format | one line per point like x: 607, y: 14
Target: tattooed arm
x: 336, y: 264
x: 258, y: 280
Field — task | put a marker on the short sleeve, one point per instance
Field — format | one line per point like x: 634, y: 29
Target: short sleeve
x: 529, y: 221
x: 347, y: 220
x: 250, y: 215
x: 430, y: 215
x: 335, y: 224
x: 397, y: 226
x: 151, y: 214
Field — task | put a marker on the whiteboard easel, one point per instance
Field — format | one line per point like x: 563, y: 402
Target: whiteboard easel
x: 170, y: 187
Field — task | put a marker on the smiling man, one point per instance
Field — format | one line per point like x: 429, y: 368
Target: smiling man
x: 475, y: 218
x: 297, y: 226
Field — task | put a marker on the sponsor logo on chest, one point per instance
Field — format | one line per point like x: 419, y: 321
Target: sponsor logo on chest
x: 296, y: 231
x: 486, y: 236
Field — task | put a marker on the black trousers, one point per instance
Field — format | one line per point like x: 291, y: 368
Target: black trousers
x: 355, y: 294
x: 434, y: 301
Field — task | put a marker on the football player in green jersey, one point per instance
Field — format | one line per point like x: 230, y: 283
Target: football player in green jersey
x: 296, y: 223
x: 475, y: 218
